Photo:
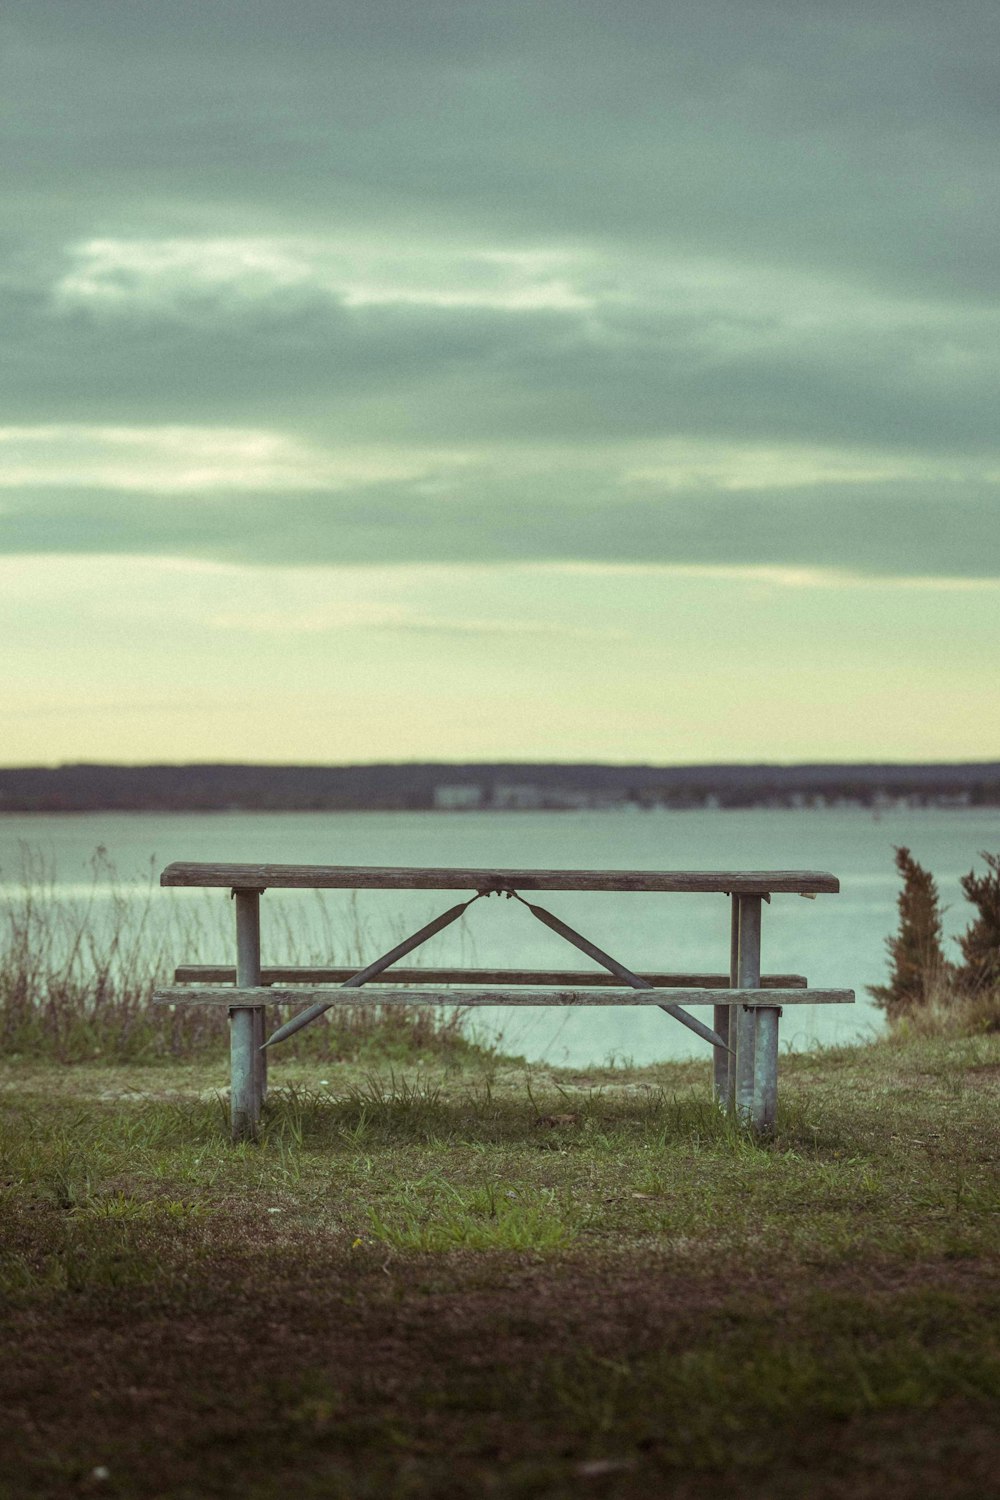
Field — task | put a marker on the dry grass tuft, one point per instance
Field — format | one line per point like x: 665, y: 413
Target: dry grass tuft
x: 77, y: 974
x: 950, y: 1012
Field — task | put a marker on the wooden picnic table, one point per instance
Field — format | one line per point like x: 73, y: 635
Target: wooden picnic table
x: 744, y: 1033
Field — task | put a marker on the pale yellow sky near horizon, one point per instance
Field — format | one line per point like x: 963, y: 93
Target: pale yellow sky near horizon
x: 140, y: 659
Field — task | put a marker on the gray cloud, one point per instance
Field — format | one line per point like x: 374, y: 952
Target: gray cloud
x: 771, y: 223
x: 840, y: 136
x: 402, y: 372
x: 875, y: 530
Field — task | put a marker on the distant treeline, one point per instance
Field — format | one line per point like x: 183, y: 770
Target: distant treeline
x: 523, y: 786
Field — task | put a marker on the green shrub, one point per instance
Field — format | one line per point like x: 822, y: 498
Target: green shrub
x: 980, y: 943
x: 919, y: 968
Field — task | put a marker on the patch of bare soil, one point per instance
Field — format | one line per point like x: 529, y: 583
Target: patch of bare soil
x: 468, y: 1374
x: 985, y: 1076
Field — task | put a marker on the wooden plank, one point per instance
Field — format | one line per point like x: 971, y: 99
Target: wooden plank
x: 572, y: 978
x: 370, y: 877
x: 722, y: 1060
x: 379, y: 994
x: 747, y: 977
x: 247, y: 906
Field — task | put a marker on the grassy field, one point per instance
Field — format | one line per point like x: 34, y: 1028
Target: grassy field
x: 457, y: 1276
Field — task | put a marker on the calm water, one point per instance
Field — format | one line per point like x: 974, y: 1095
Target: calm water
x: 836, y: 941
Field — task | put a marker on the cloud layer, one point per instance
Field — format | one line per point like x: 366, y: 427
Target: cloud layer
x: 466, y: 279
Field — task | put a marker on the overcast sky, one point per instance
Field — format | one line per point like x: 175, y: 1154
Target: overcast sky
x: 538, y: 380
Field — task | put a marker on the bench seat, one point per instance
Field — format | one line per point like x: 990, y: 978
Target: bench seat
x: 384, y: 994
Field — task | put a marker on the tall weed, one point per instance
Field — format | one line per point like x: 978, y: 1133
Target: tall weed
x: 77, y: 974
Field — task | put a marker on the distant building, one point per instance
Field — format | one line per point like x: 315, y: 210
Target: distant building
x: 516, y: 796
x: 570, y: 799
x: 459, y: 797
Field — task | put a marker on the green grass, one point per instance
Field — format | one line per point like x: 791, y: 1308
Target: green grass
x: 461, y: 1277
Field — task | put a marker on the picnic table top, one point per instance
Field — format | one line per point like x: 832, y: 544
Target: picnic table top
x: 374, y: 877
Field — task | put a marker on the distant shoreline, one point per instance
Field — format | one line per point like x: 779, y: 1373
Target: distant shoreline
x: 493, y: 787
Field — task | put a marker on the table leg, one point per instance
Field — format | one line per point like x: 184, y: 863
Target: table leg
x: 244, y: 1093
x: 722, y: 1071
x: 246, y: 1024
x: 260, y: 1057
x: 748, y: 968
x: 765, y: 1068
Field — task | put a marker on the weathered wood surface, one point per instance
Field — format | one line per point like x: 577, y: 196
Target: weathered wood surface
x: 571, y: 978
x: 370, y: 877
x: 747, y: 977
x: 723, y: 1058
x: 382, y: 994
x: 247, y: 1063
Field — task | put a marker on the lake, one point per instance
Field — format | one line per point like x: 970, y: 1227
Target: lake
x: 837, y: 941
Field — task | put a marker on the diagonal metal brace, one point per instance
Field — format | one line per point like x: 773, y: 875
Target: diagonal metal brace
x: 606, y: 961
x: 376, y: 967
